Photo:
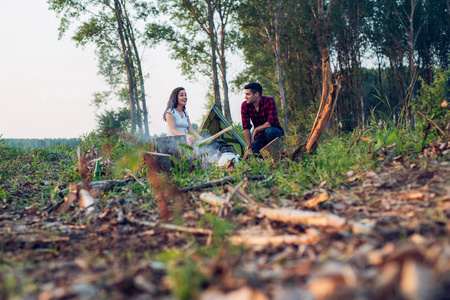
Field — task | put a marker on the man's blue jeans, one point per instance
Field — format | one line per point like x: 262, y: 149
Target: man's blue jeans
x: 269, y: 135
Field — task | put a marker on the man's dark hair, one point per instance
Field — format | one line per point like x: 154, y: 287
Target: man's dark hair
x: 255, y: 87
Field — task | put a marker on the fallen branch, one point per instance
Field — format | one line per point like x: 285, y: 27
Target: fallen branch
x: 232, y: 193
x: 226, y: 205
x: 193, y: 230
x: 251, y: 240
x: 311, y: 218
x: 68, y: 200
x: 247, y: 196
x: 313, y: 202
x: 434, y: 124
x: 212, y: 199
x: 231, y: 189
x: 137, y: 179
x: 390, y: 155
x: 222, y: 181
x: 104, y: 185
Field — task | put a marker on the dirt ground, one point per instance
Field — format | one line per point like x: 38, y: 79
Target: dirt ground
x: 394, y: 244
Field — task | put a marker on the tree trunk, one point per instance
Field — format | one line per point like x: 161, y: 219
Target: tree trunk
x: 272, y: 34
x: 140, y: 75
x: 216, y: 90
x: 126, y: 57
x: 330, y: 93
x: 226, y: 101
x: 136, y: 92
x: 279, y: 68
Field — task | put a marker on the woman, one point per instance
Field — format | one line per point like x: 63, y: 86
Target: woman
x: 177, y: 118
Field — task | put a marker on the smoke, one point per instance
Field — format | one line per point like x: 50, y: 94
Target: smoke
x: 209, y: 154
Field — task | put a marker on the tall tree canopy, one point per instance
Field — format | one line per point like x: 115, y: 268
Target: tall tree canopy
x: 110, y: 26
x: 200, y: 36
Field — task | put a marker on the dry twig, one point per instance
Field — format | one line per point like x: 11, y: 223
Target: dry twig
x: 222, y: 181
x: 313, y: 202
x: 193, y: 230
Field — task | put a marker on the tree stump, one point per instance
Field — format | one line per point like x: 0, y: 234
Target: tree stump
x: 286, y: 146
x: 162, y: 160
x: 162, y: 148
x: 169, y: 145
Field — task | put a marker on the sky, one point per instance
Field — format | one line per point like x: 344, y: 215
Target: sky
x: 47, y: 85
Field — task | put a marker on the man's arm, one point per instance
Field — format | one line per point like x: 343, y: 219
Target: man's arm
x: 248, y: 140
x: 261, y: 128
x: 248, y: 137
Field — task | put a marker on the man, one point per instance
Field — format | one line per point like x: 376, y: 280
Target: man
x: 262, y: 111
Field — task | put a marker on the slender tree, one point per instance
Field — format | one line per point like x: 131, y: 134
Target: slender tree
x: 271, y: 15
x: 107, y: 24
x: 198, y: 34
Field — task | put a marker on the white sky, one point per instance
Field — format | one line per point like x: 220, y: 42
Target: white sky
x: 47, y: 85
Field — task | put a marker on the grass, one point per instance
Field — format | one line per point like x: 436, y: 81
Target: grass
x: 23, y: 175
x: 36, y: 175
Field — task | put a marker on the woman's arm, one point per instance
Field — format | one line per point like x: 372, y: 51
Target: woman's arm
x: 192, y: 130
x: 170, y: 119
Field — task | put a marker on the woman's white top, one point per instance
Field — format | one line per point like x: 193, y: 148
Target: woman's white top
x: 181, y: 123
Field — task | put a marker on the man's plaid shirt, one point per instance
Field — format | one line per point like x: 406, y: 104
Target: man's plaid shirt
x: 267, y: 113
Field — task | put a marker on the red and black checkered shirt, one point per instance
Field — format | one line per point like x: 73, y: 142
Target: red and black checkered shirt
x: 267, y: 113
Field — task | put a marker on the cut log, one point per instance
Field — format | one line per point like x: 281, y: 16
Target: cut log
x: 285, y: 146
x: 273, y: 150
x: 86, y: 201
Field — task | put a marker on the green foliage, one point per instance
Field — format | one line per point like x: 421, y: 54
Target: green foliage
x: 221, y: 228
x: 7, y: 152
x: 110, y: 122
x: 184, y: 267
x: 15, y: 284
x: 184, y: 274
x: 429, y: 99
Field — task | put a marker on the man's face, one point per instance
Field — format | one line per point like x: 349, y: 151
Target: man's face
x: 251, y: 97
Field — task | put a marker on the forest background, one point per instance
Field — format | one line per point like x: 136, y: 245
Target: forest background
x: 382, y: 49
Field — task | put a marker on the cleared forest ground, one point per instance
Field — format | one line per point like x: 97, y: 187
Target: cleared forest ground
x: 125, y: 250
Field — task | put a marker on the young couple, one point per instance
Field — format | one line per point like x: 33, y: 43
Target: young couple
x: 259, y: 109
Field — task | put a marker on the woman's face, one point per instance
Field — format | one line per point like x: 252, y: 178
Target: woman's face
x: 182, y: 98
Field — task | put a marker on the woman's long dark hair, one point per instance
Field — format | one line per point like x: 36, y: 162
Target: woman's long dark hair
x: 173, y: 100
